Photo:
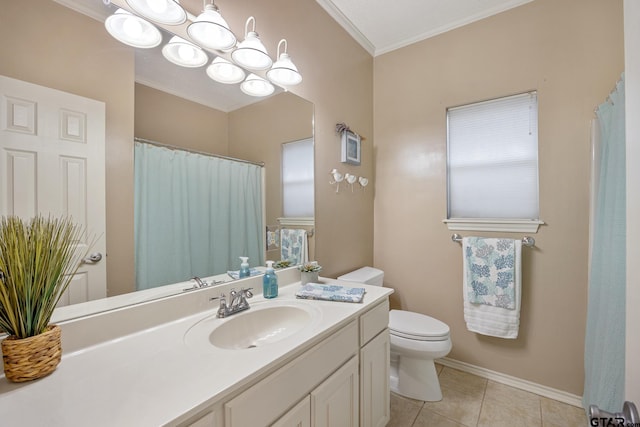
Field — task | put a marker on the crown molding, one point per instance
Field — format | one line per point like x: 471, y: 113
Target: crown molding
x: 345, y: 23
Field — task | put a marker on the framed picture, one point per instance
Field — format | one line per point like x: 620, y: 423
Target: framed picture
x: 351, y: 150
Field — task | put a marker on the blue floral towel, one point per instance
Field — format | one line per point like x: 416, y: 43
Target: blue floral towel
x: 490, y: 271
x: 294, y: 246
x: 330, y: 293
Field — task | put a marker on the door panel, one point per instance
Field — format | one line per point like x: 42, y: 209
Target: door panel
x: 52, y: 163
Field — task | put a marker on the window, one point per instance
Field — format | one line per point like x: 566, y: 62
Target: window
x: 492, y: 163
x: 297, y: 179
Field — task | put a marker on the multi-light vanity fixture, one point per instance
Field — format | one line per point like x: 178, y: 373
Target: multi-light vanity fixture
x: 209, y: 31
x: 337, y: 178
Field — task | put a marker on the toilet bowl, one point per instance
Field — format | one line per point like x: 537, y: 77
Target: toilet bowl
x: 416, y: 340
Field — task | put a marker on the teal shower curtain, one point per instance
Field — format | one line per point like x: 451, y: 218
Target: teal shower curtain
x: 605, y: 334
x: 194, y: 215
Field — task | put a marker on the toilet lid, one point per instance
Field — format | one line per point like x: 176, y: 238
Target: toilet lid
x: 408, y: 324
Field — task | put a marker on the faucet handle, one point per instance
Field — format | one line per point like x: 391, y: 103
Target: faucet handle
x: 246, y: 292
x: 221, y: 297
x: 222, y: 310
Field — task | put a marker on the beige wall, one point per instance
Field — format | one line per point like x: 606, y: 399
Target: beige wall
x: 172, y: 120
x: 338, y: 79
x: 571, y: 52
x: 257, y: 132
x: 39, y: 45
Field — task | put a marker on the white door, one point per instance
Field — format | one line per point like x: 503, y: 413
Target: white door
x: 52, y: 163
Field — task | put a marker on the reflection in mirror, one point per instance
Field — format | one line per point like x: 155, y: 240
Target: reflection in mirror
x: 84, y: 60
x: 196, y: 214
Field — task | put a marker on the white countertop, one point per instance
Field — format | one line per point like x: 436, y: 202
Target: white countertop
x: 152, y: 377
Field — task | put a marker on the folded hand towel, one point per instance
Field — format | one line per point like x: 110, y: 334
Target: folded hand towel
x: 330, y: 293
x: 491, y: 299
x: 236, y: 274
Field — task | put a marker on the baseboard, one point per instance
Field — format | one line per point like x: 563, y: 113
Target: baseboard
x: 541, y: 390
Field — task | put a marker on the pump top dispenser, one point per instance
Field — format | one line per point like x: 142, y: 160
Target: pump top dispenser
x: 244, y: 267
x: 270, y: 282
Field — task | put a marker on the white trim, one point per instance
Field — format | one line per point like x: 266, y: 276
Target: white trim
x: 505, y: 225
x: 358, y: 36
x: 540, y: 390
x: 300, y: 221
x: 379, y: 50
x: 348, y: 26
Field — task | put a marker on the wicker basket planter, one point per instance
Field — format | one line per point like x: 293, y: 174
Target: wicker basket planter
x: 31, y: 358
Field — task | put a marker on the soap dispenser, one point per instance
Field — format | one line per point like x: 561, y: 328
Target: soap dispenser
x: 270, y: 282
x: 244, y: 267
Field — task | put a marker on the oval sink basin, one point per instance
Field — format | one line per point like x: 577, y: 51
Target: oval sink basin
x: 260, y: 327
x: 264, y: 324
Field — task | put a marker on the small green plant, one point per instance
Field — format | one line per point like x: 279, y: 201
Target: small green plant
x: 282, y: 264
x: 38, y: 259
x: 309, y: 267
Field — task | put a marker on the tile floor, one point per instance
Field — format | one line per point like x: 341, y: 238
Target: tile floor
x: 472, y: 401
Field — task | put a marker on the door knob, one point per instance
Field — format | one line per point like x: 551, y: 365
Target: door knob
x: 93, y: 258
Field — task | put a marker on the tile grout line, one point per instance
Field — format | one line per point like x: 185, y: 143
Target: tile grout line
x: 484, y: 395
x: 417, y: 414
x: 540, y: 403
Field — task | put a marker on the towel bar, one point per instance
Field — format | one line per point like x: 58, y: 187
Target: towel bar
x: 526, y: 240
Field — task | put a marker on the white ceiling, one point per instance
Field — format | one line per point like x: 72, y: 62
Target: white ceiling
x: 381, y: 26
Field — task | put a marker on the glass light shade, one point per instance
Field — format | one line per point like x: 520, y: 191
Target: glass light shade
x: 211, y: 30
x: 256, y: 86
x: 184, y: 53
x: 132, y: 30
x: 224, y: 71
x: 167, y: 12
x: 284, y: 72
x: 252, y: 54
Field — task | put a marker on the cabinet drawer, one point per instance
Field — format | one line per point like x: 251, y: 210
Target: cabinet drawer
x: 374, y: 321
x: 271, y: 397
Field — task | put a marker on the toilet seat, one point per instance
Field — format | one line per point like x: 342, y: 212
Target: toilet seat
x: 416, y: 326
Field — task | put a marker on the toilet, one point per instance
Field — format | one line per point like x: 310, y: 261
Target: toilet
x: 416, y: 341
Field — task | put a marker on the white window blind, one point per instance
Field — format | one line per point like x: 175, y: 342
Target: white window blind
x: 493, y: 159
x: 297, y: 178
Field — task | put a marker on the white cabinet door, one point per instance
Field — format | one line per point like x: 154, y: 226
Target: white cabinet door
x: 374, y: 381
x: 298, y: 416
x: 335, y: 402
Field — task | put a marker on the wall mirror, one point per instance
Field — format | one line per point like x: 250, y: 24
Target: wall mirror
x: 58, y: 47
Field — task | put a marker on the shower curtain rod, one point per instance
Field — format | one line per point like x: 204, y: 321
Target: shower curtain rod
x: 526, y: 240
x: 174, y: 147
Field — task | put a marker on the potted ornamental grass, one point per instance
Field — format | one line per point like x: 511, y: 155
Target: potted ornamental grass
x: 309, y: 272
x: 38, y: 258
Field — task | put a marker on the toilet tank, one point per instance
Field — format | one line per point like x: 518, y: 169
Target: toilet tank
x: 366, y: 275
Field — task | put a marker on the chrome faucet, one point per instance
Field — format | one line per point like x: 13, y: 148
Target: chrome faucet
x: 199, y: 284
x: 202, y: 283
x: 237, y: 303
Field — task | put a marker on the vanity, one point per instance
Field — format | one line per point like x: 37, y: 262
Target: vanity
x: 283, y: 362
